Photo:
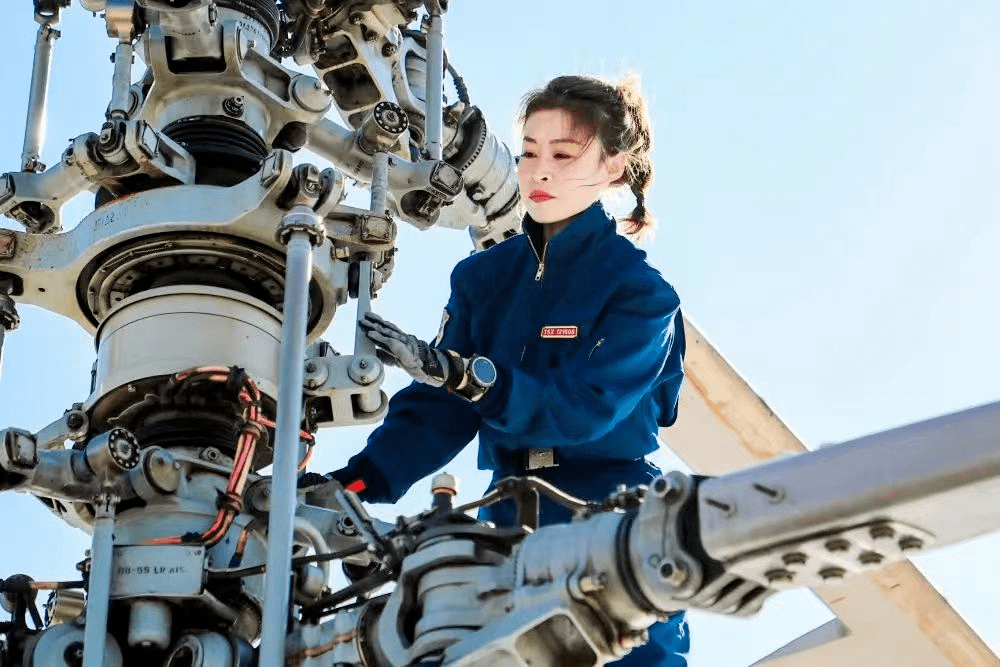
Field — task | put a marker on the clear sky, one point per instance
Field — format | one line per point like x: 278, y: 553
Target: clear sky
x: 827, y: 188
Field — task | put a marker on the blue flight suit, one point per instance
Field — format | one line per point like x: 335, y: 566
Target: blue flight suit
x: 588, y: 343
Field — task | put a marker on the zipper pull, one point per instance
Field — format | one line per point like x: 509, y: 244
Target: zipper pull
x: 540, y: 271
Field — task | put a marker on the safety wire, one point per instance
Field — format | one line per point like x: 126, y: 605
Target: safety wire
x: 253, y: 423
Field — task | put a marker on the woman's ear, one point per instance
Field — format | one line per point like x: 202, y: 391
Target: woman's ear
x: 616, y: 166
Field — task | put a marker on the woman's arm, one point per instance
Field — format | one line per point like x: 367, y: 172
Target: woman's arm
x: 424, y: 429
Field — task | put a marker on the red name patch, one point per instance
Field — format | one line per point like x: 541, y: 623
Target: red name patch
x: 560, y: 331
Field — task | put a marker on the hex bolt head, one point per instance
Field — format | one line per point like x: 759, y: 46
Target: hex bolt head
x: 837, y: 545
x: 779, y: 576
x: 870, y: 558
x: 832, y: 573
x: 881, y: 532
x: 794, y: 558
x: 910, y: 543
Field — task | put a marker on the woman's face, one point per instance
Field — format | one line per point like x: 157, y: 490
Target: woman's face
x: 562, y: 170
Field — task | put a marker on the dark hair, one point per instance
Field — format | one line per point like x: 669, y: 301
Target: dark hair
x: 615, y: 114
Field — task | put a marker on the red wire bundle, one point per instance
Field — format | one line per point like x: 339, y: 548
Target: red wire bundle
x: 246, y: 444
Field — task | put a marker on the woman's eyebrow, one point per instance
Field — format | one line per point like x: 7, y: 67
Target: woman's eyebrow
x: 530, y: 140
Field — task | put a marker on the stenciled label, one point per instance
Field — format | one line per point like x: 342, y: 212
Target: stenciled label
x: 157, y: 570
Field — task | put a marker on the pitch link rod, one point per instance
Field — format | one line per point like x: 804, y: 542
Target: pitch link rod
x: 38, y: 99
x: 301, y: 229
x: 99, y: 586
x: 435, y: 78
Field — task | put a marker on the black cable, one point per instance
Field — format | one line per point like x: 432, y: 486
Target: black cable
x: 325, y: 604
x: 300, y: 560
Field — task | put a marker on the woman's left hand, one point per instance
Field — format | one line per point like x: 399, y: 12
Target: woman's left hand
x: 395, y: 347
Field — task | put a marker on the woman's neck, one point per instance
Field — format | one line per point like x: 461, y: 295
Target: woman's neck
x: 550, y: 229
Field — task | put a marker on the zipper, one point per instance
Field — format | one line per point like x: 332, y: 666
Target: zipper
x: 541, y: 260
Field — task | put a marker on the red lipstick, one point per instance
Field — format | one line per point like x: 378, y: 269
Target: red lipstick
x: 539, y: 196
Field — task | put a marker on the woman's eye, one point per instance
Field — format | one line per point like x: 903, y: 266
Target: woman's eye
x: 525, y: 155
x: 563, y: 156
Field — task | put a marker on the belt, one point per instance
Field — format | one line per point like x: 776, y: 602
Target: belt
x: 536, y: 458
x: 520, y: 461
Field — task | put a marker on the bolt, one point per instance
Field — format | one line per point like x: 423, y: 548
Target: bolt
x: 719, y: 505
x: 654, y: 560
x: 794, y: 558
x: 356, y: 19
x: 363, y: 363
x: 910, y: 543
x: 665, y: 488
x: 310, y: 367
x: 388, y: 49
x: 74, y: 420
x: 837, y: 544
x: 371, y: 36
x: 593, y: 582
x: 233, y: 106
x: 881, y: 531
x: 828, y: 573
x: 673, y: 572
x: 776, y: 495
x: 779, y: 576
x: 870, y: 558
x: 632, y: 639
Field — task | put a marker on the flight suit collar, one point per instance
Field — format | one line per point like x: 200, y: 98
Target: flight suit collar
x: 574, y: 238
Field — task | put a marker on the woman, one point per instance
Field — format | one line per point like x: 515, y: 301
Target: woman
x: 561, y: 347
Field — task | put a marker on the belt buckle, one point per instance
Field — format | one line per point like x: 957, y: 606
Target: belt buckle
x: 540, y: 457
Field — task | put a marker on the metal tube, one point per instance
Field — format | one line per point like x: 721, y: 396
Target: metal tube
x: 99, y: 590
x: 380, y: 182
x: 435, y: 82
x: 362, y: 345
x: 3, y: 333
x: 121, y: 81
x: 298, y: 270
x: 38, y: 99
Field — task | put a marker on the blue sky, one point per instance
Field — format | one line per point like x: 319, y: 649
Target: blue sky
x: 827, y: 191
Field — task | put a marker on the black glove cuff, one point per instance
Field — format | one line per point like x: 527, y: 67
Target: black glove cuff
x: 456, y: 369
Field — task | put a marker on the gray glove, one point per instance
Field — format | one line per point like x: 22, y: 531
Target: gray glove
x: 398, y: 348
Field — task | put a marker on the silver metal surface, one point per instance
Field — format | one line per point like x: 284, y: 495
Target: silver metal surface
x: 380, y: 182
x: 435, y: 77
x: 121, y: 81
x: 164, y: 571
x: 221, y: 327
x: 754, y: 519
x: 283, y: 495
x: 63, y: 606
x: 149, y: 624
x: 38, y: 99
x: 99, y: 589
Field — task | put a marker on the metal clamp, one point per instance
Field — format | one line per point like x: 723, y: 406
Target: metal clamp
x: 302, y: 219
